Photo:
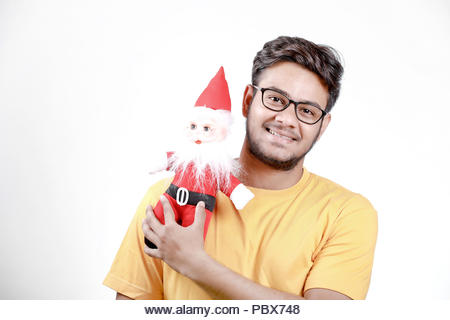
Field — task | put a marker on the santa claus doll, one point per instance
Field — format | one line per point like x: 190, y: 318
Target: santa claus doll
x: 202, y: 163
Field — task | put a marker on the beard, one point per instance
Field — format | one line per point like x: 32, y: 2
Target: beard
x: 283, y: 165
x: 213, y: 156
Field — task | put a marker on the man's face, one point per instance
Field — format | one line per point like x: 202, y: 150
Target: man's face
x: 279, y: 139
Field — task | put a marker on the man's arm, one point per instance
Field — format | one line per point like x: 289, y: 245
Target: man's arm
x: 182, y: 249
x: 222, y: 283
x: 120, y: 296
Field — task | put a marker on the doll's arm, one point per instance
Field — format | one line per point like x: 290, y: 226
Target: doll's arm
x: 238, y: 193
x: 160, y: 162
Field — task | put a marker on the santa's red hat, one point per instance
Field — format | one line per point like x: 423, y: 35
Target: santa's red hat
x: 216, y: 95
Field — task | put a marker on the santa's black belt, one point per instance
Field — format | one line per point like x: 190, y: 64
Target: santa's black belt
x: 184, y: 197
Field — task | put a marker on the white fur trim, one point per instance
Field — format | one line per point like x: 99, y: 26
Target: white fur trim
x: 240, y: 196
x: 158, y: 163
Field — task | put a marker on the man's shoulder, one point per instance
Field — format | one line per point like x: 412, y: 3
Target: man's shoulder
x: 347, y: 209
x: 335, y: 192
x: 328, y: 186
x: 158, y: 187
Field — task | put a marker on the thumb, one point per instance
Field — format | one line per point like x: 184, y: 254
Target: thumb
x: 200, y: 215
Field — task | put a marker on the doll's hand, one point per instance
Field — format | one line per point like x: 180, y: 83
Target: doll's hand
x: 179, y: 247
x: 158, y: 162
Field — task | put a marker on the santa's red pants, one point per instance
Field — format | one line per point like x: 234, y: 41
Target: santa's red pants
x: 184, y: 215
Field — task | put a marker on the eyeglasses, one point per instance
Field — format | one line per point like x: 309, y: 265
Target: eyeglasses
x: 307, y: 112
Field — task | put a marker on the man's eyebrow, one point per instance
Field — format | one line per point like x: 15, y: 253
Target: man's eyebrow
x: 287, y: 95
x: 279, y: 91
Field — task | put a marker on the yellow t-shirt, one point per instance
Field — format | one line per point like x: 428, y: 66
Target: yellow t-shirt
x: 315, y: 234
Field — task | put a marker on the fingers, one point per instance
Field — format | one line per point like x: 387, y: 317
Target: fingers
x: 151, y: 219
x: 169, y: 215
x: 200, y: 215
x: 150, y: 234
x: 155, y: 253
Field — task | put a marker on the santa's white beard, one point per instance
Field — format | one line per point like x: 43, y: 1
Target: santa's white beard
x: 214, y: 155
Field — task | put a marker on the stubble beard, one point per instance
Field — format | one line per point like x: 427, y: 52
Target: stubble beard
x: 283, y: 165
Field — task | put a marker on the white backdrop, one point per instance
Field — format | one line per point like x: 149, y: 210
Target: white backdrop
x: 88, y: 88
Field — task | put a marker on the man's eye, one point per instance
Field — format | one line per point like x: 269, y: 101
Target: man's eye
x: 206, y: 128
x: 276, y: 99
x: 193, y: 126
x: 307, y: 112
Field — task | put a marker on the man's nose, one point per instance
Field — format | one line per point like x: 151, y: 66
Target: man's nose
x: 287, y: 116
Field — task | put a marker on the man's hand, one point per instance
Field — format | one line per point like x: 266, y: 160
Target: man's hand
x: 178, y: 246
x: 182, y: 249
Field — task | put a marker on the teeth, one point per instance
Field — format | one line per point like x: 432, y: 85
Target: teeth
x: 276, y: 134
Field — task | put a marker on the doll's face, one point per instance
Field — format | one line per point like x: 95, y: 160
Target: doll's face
x: 204, y: 131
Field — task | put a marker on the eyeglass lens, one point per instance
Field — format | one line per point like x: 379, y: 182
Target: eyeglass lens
x: 277, y: 102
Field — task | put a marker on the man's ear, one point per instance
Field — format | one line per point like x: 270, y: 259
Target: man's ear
x: 326, y: 120
x: 247, y: 101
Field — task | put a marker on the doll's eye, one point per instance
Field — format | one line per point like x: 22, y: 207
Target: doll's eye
x: 193, y: 126
x: 206, y: 128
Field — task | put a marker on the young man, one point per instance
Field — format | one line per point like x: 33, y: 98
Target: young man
x: 301, y: 237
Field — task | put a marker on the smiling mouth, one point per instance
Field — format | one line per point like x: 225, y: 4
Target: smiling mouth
x: 198, y: 141
x: 279, y: 135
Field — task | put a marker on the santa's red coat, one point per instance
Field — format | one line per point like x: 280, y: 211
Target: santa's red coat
x: 185, y: 213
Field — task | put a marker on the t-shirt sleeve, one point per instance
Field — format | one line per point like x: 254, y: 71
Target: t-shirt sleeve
x: 134, y: 273
x: 344, y: 263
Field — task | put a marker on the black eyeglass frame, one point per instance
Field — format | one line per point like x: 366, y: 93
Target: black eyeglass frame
x: 295, y: 103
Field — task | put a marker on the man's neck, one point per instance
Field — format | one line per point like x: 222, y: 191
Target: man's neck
x: 259, y: 175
